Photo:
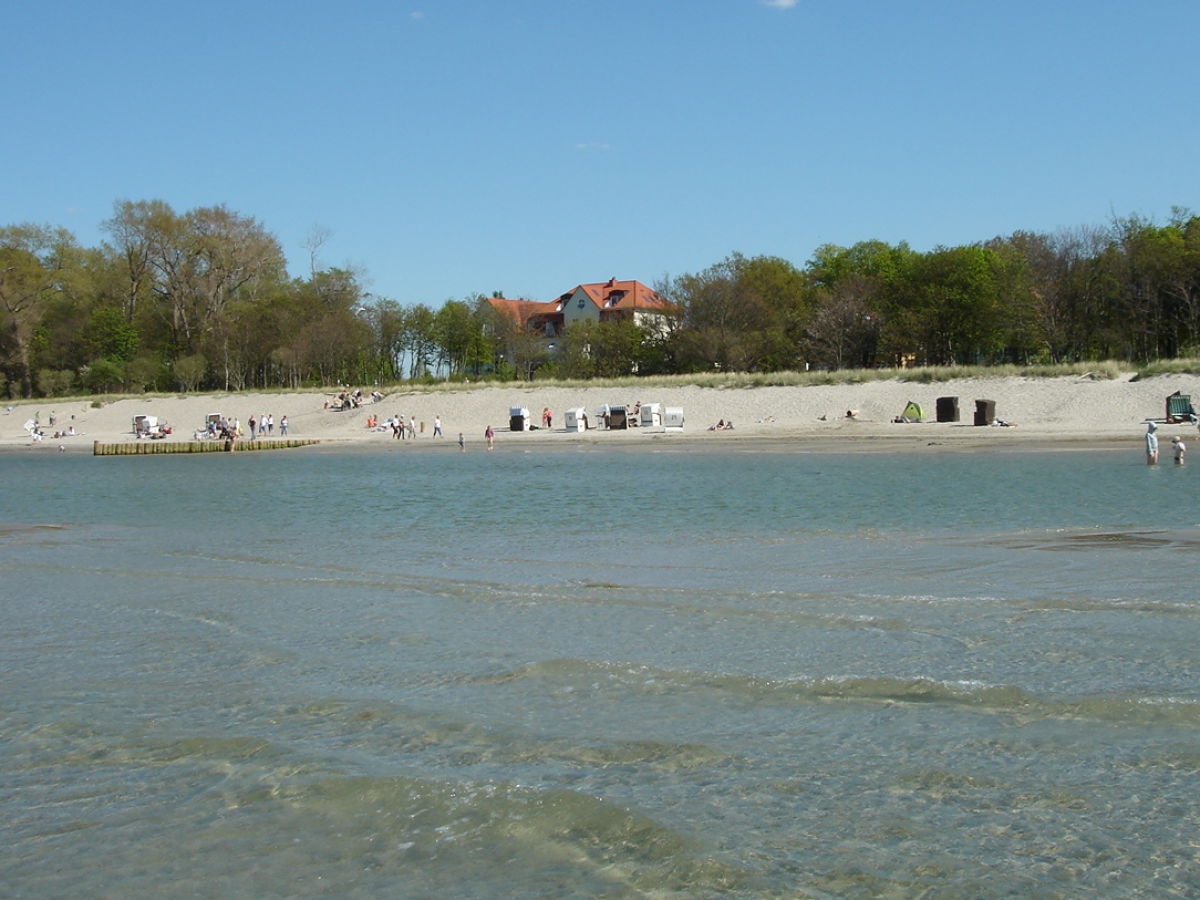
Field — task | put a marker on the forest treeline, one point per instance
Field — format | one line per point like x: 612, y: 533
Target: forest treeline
x: 203, y: 300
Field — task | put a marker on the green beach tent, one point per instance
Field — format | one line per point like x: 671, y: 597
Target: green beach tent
x: 912, y: 412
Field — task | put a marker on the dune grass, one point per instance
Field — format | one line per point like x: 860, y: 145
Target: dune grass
x: 1104, y: 370
x: 726, y: 380
x: 1182, y: 366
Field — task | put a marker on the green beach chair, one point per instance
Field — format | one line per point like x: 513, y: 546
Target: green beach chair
x: 1180, y: 409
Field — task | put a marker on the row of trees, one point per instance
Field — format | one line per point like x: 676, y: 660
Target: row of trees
x: 202, y: 299
x: 1128, y: 291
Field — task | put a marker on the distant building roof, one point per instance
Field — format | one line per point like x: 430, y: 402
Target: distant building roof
x: 521, y: 311
x: 613, y: 294
x: 606, y: 295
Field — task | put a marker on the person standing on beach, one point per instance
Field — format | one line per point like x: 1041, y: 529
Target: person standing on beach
x: 437, y: 426
x: 253, y: 425
x: 283, y: 427
x: 1179, y: 448
x: 1151, y: 444
x: 491, y: 437
x: 462, y: 442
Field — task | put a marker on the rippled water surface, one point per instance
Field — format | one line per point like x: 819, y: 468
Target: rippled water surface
x: 598, y: 674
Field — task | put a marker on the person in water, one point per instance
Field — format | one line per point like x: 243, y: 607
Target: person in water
x: 1179, y: 449
x: 1151, y: 444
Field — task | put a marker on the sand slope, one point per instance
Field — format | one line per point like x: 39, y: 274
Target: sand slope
x: 1044, y: 410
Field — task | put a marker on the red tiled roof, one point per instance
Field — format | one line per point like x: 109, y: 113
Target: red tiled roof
x: 521, y: 311
x: 607, y: 295
x: 613, y: 294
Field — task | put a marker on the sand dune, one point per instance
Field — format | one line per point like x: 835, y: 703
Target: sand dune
x: 1043, y: 411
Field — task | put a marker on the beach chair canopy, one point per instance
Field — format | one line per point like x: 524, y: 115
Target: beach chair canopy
x: 1179, y: 408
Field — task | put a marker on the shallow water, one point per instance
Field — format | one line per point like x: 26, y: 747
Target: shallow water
x: 586, y: 674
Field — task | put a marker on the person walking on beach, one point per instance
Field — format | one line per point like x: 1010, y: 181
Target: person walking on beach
x: 462, y: 442
x: 437, y: 426
x: 253, y: 425
x: 1151, y: 444
x: 1178, y: 447
x: 283, y: 427
x: 491, y: 437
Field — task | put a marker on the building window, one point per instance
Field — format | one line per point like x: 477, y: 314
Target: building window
x: 582, y: 300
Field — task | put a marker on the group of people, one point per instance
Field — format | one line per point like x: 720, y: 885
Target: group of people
x: 403, y: 429
x: 150, y: 433
x: 722, y: 425
x: 265, y: 425
x: 1178, y: 448
x: 347, y: 399
x: 225, y: 429
x: 37, y: 431
x: 231, y: 429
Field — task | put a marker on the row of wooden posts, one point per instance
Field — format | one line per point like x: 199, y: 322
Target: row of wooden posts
x: 137, y: 448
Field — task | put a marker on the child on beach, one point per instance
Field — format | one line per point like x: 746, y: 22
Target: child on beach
x: 1179, y: 448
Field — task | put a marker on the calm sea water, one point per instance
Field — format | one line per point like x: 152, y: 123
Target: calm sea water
x: 598, y: 674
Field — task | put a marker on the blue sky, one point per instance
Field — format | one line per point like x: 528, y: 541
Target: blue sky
x: 453, y: 146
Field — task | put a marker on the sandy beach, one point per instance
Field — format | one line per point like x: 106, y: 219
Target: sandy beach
x: 1070, y: 412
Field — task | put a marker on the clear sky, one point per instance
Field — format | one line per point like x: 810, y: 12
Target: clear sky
x: 457, y: 146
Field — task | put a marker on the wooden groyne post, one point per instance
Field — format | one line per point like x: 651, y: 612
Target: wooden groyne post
x: 141, y: 448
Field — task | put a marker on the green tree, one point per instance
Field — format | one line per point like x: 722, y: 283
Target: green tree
x: 132, y: 228
x: 34, y: 262
x: 601, y: 349
x: 786, y: 295
x: 457, y: 332
x: 948, y: 310
x: 741, y: 314
x: 195, y: 265
x: 143, y: 372
x: 104, y: 376
x: 190, y: 371
x: 51, y: 382
x: 109, y: 333
x: 419, y: 340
